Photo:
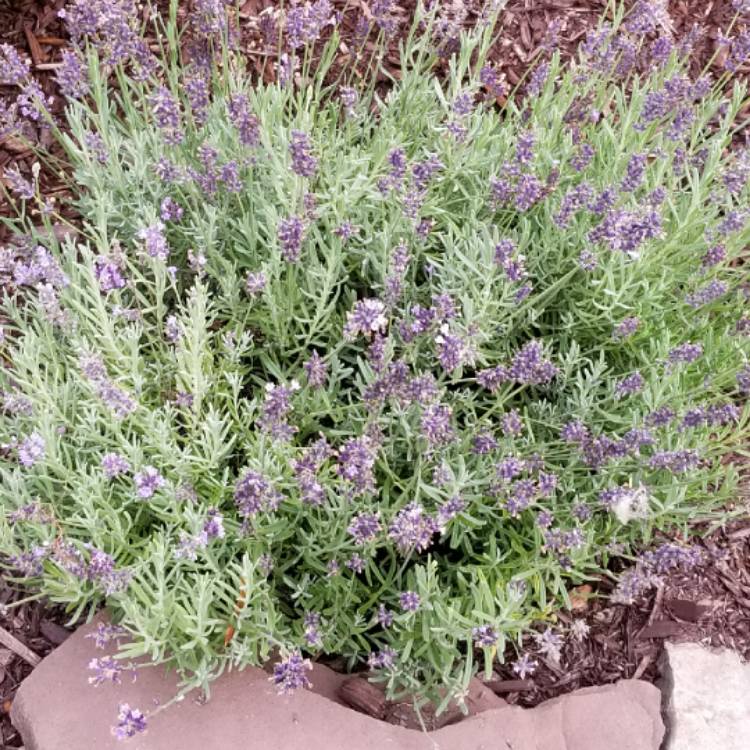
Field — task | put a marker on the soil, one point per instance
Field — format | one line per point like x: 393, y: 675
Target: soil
x: 711, y: 605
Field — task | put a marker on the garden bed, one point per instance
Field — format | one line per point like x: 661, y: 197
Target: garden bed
x: 615, y: 640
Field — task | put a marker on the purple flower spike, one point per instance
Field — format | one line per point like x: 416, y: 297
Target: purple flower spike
x: 31, y: 450
x: 364, y: 527
x: 247, y: 124
x: 367, y: 317
x: 484, y: 636
x: 412, y: 529
x: 383, y: 659
x: 108, y: 669
x: 525, y: 666
x: 303, y: 162
x: 630, y: 385
x: 289, y: 674
x: 113, y: 464
x: 167, y: 114
x: 410, y: 601
x: 291, y: 235
x: 316, y: 370
x: 130, y: 721
x: 254, y: 493
x: 72, y: 76
x: 147, y: 482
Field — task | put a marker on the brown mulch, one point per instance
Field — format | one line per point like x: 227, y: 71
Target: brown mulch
x: 38, y: 628
x: 711, y: 606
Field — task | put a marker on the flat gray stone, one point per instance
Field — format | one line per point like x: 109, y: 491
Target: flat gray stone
x: 56, y: 709
x: 707, y: 697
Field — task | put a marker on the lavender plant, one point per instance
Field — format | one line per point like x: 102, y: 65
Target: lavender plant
x: 325, y: 371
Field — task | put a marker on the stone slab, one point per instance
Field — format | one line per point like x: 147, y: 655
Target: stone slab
x: 56, y: 709
x: 707, y: 698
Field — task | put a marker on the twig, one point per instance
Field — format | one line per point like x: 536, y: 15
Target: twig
x: 642, y: 666
x: 657, y: 604
x: 18, y: 648
x: 509, y: 686
x: 37, y: 54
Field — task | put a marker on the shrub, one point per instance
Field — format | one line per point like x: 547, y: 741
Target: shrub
x: 331, y: 370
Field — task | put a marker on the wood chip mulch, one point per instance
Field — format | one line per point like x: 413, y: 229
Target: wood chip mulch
x: 710, y: 605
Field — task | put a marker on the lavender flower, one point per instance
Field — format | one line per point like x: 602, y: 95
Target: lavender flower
x: 166, y: 111
x: 291, y: 235
x: 412, y: 529
x: 678, y: 461
x: 512, y: 423
x: 154, y: 241
x: 130, y: 721
x: 550, y: 644
x: 254, y: 493
x: 31, y: 450
x: 583, y: 157
x: 108, y: 273
x: 255, y: 283
x: 367, y: 317
x: 739, y: 51
x: 13, y: 69
x: 170, y: 210
x: 410, y: 601
x: 449, y: 510
x: 451, y: 349
x: 108, y: 669
x: 385, y: 617
x: 706, y: 295
x: 247, y: 124
x: 529, y: 191
x: 305, y: 23
x: 383, y: 659
x: 311, y: 624
x: 345, y: 231
x: 356, y: 459
x: 685, y: 353
x: 436, y: 425
x: 484, y: 636
x: 525, y: 147
x: 19, y: 185
x: 148, y: 481
x: 743, y: 379
x: 114, y: 464
x: 303, y: 162
x: 289, y: 673
x: 538, y: 79
x: 635, y: 171
x: 277, y: 405
x: 493, y: 81
x: 629, y: 385
x: 588, y: 261
x: 213, y: 525
x: 529, y: 366
x: 356, y: 563
x: 713, y: 256
x: 483, y: 443
x: 72, y: 76
x: 525, y: 666
x: 364, y: 527
x: 105, y: 633
x: 317, y: 371
x: 626, y: 328
x: 349, y: 98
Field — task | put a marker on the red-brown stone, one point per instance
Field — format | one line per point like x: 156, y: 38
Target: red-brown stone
x: 56, y: 709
